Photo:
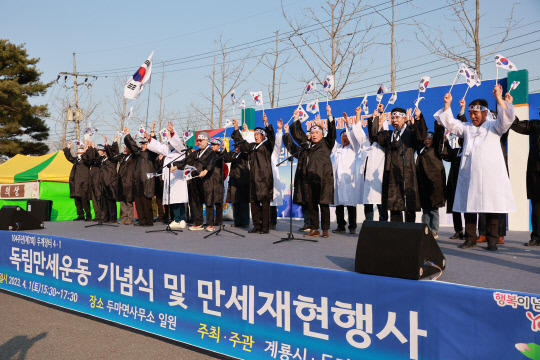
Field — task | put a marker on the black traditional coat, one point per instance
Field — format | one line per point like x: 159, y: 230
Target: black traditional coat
x: 318, y: 165
x: 79, y: 182
x: 144, y: 164
x: 106, y: 177
x: 431, y: 173
x: 531, y: 128
x: 453, y: 156
x: 299, y: 181
x: 158, y: 189
x: 238, y: 190
x: 204, y: 159
x: 261, y: 184
x: 399, y: 176
x: 217, y: 179
x: 125, y: 168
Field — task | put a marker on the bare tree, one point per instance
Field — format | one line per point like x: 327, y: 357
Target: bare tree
x: 271, y: 61
x: 337, y: 44
x: 226, y: 77
x: 468, y: 32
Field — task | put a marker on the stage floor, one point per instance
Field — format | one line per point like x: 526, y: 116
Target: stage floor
x: 513, y: 267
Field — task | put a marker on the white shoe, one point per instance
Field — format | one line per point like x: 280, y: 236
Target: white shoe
x: 210, y: 228
x: 196, y: 228
x: 174, y: 225
x: 182, y: 224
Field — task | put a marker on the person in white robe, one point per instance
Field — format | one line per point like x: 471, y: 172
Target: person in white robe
x: 483, y: 184
x: 278, y: 186
x: 373, y: 170
x: 344, y: 168
x: 175, y: 195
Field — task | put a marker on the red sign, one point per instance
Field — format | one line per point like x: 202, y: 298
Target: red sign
x: 12, y: 191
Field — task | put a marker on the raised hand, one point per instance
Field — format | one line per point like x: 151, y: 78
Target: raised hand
x: 508, y: 97
x: 245, y: 127
x: 328, y: 110
x: 170, y: 128
x: 296, y: 115
x: 417, y: 113
x: 447, y: 101
x: 462, y: 105
x: 265, y: 119
x: 286, y: 128
x: 280, y: 124
x: 69, y: 144
x: 153, y: 126
x: 126, y: 130
x: 116, y: 138
x: 346, y: 118
x: 235, y: 123
x: 105, y: 139
x: 380, y: 108
x: 146, y: 135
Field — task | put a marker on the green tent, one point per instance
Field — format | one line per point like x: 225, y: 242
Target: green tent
x: 43, y: 177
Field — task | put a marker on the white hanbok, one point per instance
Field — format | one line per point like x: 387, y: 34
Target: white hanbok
x: 278, y: 186
x: 179, y: 191
x: 483, y: 185
x: 344, y: 168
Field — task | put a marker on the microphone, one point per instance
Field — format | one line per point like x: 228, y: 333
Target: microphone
x: 305, y: 144
x: 117, y: 155
x: 189, y: 148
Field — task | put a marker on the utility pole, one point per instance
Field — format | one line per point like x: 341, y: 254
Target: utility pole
x: 75, y: 114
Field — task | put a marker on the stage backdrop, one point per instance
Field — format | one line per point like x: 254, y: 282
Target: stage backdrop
x: 259, y: 310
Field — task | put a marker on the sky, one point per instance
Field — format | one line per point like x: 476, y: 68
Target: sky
x: 111, y: 40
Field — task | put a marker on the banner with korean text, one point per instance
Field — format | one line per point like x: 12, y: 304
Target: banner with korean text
x: 259, y: 310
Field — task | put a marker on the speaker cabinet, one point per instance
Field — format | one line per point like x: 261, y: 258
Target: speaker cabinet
x: 401, y: 250
x: 15, y: 218
x: 40, y: 209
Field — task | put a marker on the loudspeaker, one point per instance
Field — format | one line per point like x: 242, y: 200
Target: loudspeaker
x: 402, y: 250
x: 40, y: 209
x: 15, y: 218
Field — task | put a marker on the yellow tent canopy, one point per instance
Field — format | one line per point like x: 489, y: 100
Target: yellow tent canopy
x: 23, y: 168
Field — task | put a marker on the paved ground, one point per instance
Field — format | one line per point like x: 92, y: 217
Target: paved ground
x: 32, y: 330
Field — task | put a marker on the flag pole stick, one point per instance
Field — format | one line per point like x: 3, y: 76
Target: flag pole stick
x: 497, y: 78
x: 455, y: 79
x: 327, y: 98
x: 468, y: 87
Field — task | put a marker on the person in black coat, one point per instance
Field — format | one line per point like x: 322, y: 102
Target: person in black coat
x: 124, y: 193
x: 261, y: 179
x: 400, y: 185
x: 107, y: 179
x: 431, y: 178
x: 318, y: 189
x: 532, y: 128
x: 238, y: 188
x: 143, y: 186
x: 79, y: 184
x: 218, y: 187
x: 201, y: 188
x: 298, y: 184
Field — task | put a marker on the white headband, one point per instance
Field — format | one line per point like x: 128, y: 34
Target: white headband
x: 261, y: 131
x: 316, y: 128
x: 399, y: 113
x: 477, y: 108
x: 202, y: 137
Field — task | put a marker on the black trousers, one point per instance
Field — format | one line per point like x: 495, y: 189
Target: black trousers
x: 305, y: 214
x: 109, y: 210
x: 260, y: 214
x: 397, y: 215
x: 82, y: 203
x: 241, y: 214
x: 273, y: 215
x: 492, y: 226
x: 340, y: 217
x: 97, y: 206
x: 210, y: 218
x: 482, y: 224
x: 458, y: 223
x: 144, y: 210
x: 535, y: 219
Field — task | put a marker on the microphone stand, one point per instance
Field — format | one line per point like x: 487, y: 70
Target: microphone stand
x: 290, y: 235
x: 101, y: 186
x: 221, y: 226
x: 169, y: 165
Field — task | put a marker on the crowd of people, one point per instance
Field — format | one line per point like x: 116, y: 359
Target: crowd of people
x: 400, y: 171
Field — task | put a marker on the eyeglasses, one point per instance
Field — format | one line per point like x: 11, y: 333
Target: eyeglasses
x: 199, y: 140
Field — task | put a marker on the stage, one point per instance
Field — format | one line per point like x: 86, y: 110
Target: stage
x: 513, y: 267
x: 249, y: 298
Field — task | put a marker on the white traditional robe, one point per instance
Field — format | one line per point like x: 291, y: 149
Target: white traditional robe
x: 483, y: 185
x: 278, y: 186
x: 344, y: 167
x: 179, y: 191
